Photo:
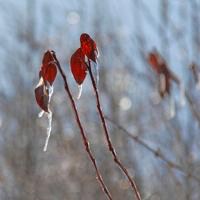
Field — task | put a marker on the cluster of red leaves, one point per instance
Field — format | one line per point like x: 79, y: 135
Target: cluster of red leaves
x: 47, y: 75
x: 48, y: 70
x: 160, y: 66
x: 78, y: 63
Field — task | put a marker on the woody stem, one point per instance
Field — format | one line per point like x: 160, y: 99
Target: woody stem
x: 108, y: 140
x: 84, y: 137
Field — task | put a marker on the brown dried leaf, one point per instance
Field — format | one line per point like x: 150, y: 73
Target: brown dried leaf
x: 42, y: 95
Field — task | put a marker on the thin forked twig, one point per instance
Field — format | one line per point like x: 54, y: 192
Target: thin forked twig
x: 84, y: 137
x: 108, y: 140
x: 157, y: 153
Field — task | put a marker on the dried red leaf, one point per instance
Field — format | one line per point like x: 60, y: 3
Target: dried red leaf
x: 49, y: 67
x: 159, y: 65
x: 49, y: 72
x: 48, y: 57
x: 155, y: 62
x: 42, y: 95
x: 88, y: 47
x: 78, y: 66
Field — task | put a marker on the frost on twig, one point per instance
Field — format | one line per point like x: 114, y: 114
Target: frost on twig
x: 171, y: 108
x: 41, y: 113
x: 80, y: 87
x: 49, y: 115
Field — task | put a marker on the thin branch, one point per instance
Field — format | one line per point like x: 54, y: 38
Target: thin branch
x: 108, y: 140
x: 84, y: 137
x: 157, y: 152
x: 193, y: 68
x: 193, y: 108
x: 190, y: 101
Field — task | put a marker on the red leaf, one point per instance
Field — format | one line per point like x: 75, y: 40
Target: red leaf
x: 48, y: 57
x: 78, y: 66
x: 49, y: 72
x: 154, y: 61
x: 88, y: 47
x: 42, y: 96
x: 49, y: 67
x: 159, y: 65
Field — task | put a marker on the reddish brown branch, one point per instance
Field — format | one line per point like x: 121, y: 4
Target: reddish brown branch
x: 157, y: 152
x: 109, y: 143
x: 84, y: 137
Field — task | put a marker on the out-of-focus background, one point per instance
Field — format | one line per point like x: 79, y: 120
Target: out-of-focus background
x: 125, y: 31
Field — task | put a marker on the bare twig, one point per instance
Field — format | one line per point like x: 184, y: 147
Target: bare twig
x: 157, y: 152
x: 190, y: 102
x: 84, y: 137
x: 109, y: 143
x: 194, y: 70
x: 193, y: 108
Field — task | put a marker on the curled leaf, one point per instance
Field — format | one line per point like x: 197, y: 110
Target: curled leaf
x: 49, y: 72
x: 49, y: 67
x: 78, y: 66
x: 42, y: 95
x: 153, y: 60
x: 89, y: 47
x: 44, y: 89
x: 48, y: 57
x: 159, y: 65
